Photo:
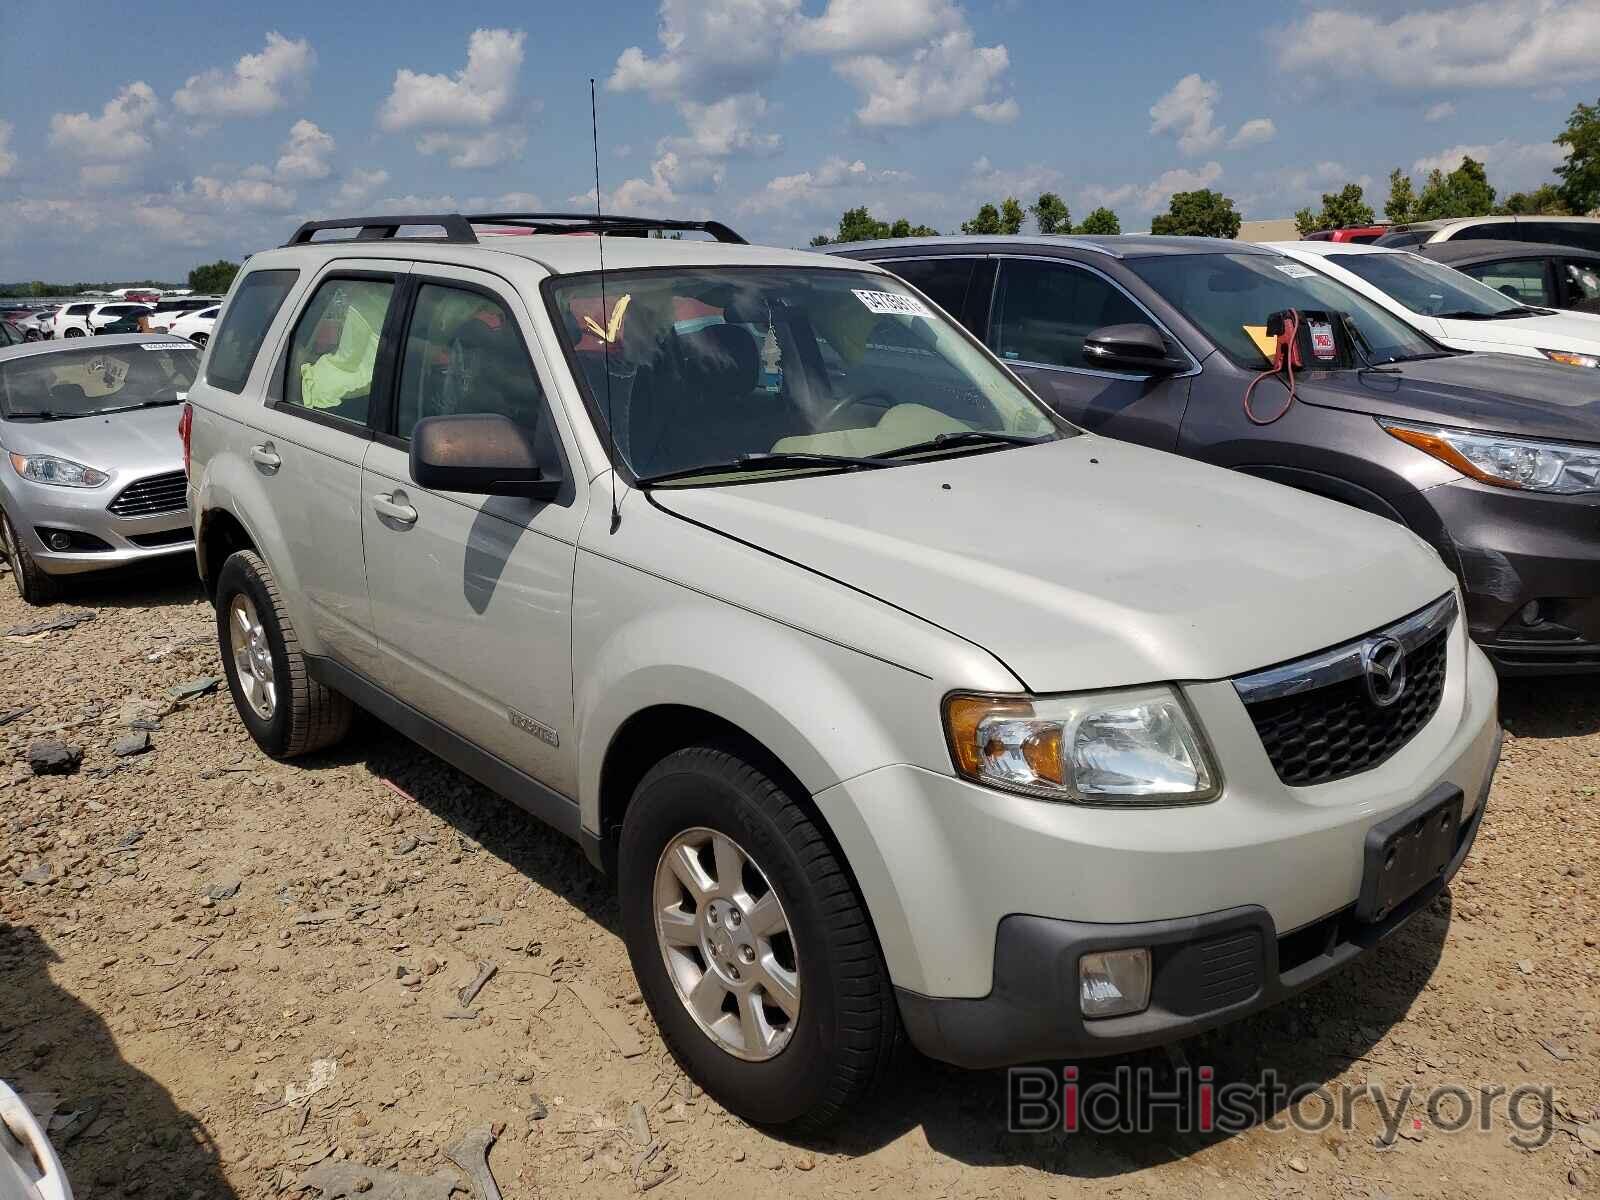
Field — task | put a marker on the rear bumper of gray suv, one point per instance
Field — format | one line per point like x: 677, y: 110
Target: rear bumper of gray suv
x: 1206, y: 971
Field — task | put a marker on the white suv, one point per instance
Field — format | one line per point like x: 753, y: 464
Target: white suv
x: 77, y: 320
x: 890, y: 701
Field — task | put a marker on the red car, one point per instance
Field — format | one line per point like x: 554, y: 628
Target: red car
x: 1353, y: 233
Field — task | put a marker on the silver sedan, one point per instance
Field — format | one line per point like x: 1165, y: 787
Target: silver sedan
x: 93, y: 474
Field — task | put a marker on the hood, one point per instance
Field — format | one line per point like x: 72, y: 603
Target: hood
x: 1089, y: 563
x: 127, y: 445
x: 1497, y: 393
x: 1558, y: 331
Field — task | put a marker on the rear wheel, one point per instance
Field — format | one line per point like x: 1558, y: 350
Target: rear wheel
x: 750, y: 944
x: 286, y: 711
x: 74, y: 333
x: 34, y: 584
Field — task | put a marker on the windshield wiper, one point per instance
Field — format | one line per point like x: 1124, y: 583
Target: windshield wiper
x: 762, y: 462
x: 1521, y: 310
x: 966, y: 437
x: 40, y: 416
x: 100, y: 412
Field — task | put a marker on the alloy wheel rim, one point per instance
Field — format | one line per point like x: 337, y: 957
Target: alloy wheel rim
x: 727, y: 945
x: 252, y: 657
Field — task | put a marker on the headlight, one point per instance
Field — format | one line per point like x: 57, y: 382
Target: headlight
x: 1132, y: 747
x: 63, y: 472
x: 1572, y: 358
x: 1508, y: 462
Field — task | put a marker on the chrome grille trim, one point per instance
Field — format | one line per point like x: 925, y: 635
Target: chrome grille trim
x: 1344, y: 661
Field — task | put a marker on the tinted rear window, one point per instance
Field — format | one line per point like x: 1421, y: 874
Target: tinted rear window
x: 943, y: 280
x: 238, y: 340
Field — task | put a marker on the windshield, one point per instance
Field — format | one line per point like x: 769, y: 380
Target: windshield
x: 81, y: 383
x: 1400, y: 239
x: 1426, y: 287
x: 1230, y: 296
x: 708, y: 367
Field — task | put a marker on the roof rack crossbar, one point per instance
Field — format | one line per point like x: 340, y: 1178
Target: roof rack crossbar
x: 561, y: 222
x: 456, y: 228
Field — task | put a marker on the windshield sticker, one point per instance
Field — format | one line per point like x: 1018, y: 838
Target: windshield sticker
x: 168, y: 346
x: 1322, y: 343
x: 1265, y: 342
x: 1294, y: 270
x: 892, y: 304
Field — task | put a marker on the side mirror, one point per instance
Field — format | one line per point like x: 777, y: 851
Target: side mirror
x: 1132, y: 347
x: 481, y: 454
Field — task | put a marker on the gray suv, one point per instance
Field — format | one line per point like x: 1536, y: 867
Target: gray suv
x: 892, y: 703
x: 1494, y: 460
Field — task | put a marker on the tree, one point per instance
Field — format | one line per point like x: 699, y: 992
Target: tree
x: 1101, y: 220
x: 1546, y: 200
x: 1465, y: 192
x: 1051, y: 214
x: 1340, y: 210
x: 1010, y: 216
x: 859, y: 225
x: 987, y: 221
x: 1580, y: 173
x: 213, y: 279
x: 1204, y: 213
x: 1402, y: 203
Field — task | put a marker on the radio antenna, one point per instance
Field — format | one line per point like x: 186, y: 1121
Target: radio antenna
x: 605, y: 311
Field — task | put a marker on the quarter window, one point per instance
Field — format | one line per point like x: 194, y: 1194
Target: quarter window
x: 334, y: 354
x: 1522, y: 279
x: 463, y: 355
x: 250, y: 313
x: 943, y: 280
x: 1043, y: 312
x: 1583, y: 285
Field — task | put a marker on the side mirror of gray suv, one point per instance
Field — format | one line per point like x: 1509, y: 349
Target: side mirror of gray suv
x: 1131, y: 347
x: 482, y: 454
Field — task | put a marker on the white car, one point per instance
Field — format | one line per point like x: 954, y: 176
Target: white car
x: 1452, y: 306
x: 167, y: 311
x: 196, y: 326
x: 36, y: 325
x: 81, y: 319
x: 29, y: 1168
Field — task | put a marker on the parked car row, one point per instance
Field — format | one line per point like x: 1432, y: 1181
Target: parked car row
x: 880, y: 620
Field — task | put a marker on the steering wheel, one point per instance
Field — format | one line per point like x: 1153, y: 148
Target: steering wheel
x: 826, y: 424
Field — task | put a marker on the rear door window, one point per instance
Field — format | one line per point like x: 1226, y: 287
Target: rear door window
x: 943, y: 280
x: 334, y: 354
x: 1522, y: 279
x: 1581, y: 281
x: 250, y: 314
x: 1044, y: 311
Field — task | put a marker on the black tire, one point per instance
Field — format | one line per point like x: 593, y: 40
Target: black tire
x: 306, y: 716
x: 34, y: 584
x: 74, y: 332
x: 848, y: 1028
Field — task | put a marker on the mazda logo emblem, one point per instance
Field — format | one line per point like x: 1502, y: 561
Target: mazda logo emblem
x: 1383, y: 664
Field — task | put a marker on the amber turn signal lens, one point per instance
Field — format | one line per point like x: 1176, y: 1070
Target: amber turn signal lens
x: 1436, y: 446
x: 963, y: 716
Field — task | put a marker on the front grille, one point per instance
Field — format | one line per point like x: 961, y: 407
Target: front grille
x: 154, y: 494
x: 1335, y: 731
x: 167, y: 537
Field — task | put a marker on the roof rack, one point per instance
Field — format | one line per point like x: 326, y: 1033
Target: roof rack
x: 459, y: 229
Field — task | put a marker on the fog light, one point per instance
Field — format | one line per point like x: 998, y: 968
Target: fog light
x: 1531, y: 614
x: 1114, y: 983
x: 60, y: 541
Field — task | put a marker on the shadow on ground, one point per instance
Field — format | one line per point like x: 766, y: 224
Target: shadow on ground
x: 140, y: 1142
x: 1556, y: 707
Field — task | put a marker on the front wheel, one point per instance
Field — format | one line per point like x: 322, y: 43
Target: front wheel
x: 750, y: 944
x: 286, y: 711
x: 74, y: 333
x: 34, y: 584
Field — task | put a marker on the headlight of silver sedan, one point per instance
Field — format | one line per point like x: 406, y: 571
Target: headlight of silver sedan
x: 61, y: 472
x: 1526, y: 464
x: 1111, y: 748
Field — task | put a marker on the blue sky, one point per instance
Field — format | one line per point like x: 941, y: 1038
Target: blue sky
x: 189, y: 132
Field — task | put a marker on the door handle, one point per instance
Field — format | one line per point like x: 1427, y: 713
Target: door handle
x: 266, y: 455
x: 393, y: 506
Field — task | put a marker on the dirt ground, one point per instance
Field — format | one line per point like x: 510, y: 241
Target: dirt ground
x: 197, y: 1041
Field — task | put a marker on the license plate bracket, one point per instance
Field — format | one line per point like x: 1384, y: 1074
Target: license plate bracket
x: 1408, y: 851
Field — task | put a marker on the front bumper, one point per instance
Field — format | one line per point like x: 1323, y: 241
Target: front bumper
x: 1206, y: 971
x: 83, y: 511
x: 1515, y: 547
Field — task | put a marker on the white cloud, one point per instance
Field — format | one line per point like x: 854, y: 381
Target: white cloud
x: 669, y: 175
x: 1255, y: 132
x: 506, y: 202
x: 119, y: 133
x: 101, y: 176
x: 1439, y: 112
x: 255, y: 85
x: 950, y: 77
x: 477, y: 95
x: 1148, y: 197
x: 1509, y: 165
x: 990, y: 182
x: 413, y: 203
x: 237, y: 195
x: 724, y: 128
x: 709, y: 49
x: 818, y: 185
x: 1189, y: 111
x: 305, y: 155
x: 475, y: 150
x: 359, y: 185
x: 174, y: 224
x: 874, y: 26
x: 1495, y: 43
x: 8, y: 160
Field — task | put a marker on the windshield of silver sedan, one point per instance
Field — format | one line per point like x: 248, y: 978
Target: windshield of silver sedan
x: 714, y: 375
x: 57, y: 385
